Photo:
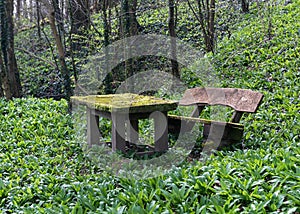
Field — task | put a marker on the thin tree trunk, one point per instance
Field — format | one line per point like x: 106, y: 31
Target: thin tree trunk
x: 51, y: 48
x: 5, y: 83
x: 126, y: 32
x: 18, y: 9
x: 245, y: 6
x: 25, y: 10
x: 80, y: 23
x: 72, y: 43
x: 206, y: 20
x: 61, y: 53
x: 211, y: 25
x: 172, y: 32
x: 120, y: 22
x: 109, y: 20
x: 96, y: 7
x: 59, y: 19
x: 4, y: 87
x: 31, y: 11
x: 38, y: 18
x: 132, y: 17
x: 62, y: 11
x: 108, y: 79
x: 80, y: 15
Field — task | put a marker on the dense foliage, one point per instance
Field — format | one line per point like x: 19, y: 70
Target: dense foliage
x: 43, y: 170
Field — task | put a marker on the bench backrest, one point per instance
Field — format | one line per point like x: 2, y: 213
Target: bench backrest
x: 241, y: 100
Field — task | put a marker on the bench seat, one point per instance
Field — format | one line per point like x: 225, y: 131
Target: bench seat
x: 221, y: 133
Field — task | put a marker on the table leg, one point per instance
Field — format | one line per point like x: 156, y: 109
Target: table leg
x: 118, y: 132
x: 133, y: 131
x: 160, y: 131
x: 93, y: 133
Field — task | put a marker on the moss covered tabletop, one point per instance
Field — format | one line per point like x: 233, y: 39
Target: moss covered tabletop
x: 125, y: 103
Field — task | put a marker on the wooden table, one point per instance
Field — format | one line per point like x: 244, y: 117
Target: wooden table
x: 124, y: 110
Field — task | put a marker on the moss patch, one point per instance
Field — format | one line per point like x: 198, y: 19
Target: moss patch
x: 125, y: 103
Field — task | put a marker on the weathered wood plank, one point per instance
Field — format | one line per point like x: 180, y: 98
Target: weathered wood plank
x: 242, y: 100
x: 200, y: 120
x: 211, y: 130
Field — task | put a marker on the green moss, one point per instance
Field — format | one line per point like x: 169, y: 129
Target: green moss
x: 125, y: 103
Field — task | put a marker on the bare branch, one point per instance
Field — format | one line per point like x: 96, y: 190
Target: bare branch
x: 37, y: 57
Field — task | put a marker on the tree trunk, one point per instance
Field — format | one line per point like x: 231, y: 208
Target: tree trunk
x: 109, y: 20
x: 18, y: 9
x: 211, y: 25
x: 120, y: 22
x: 4, y: 86
x: 126, y: 32
x: 59, y: 45
x: 80, y: 15
x: 172, y: 33
x: 9, y: 69
x: 73, y: 45
x: 59, y: 20
x: 38, y: 18
x: 80, y: 23
x: 132, y: 17
x: 206, y: 17
x: 25, y: 10
x: 245, y: 6
x: 108, y: 79
x: 31, y: 11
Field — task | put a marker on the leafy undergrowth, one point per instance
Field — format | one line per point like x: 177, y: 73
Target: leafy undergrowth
x: 270, y: 65
x: 42, y: 170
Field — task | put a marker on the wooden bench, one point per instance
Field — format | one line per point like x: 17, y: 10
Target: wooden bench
x: 219, y: 134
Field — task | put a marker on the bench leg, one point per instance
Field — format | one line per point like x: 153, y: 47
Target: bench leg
x: 197, y: 110
x: 160, y: 131
x: 93, y: 133
x: 133, y: 131
x: 214, y: 133
x: 237, y: 116
x: 118, y: 132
